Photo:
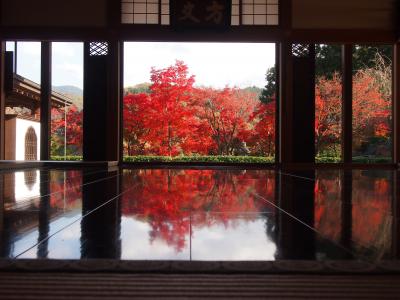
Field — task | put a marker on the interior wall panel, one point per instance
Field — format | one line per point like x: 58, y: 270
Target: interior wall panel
x: 63, y: 13
x: 344, y: 14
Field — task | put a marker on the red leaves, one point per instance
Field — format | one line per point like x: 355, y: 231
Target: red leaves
x: 328, y: 103
x: 263, y: 135
x: 169, y: 112
x: 72, y: 122
x: 179, y: 119
x: 371, y: 111
x: 136, y: 122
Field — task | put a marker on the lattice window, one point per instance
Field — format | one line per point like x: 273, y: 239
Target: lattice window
x: 30, y: 144
x: 165, y: 12
x: 255, y: 12
x: 235, y: 18
x: 145, y: 12
x: 98, y: 48
x: 300, y: 50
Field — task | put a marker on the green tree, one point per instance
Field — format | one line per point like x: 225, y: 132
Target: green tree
x: 364, y: 57
x: 327, y: 60
x: 269, y: 91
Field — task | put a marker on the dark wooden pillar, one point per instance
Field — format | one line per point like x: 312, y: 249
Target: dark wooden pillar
x: 297, y: 103
x: 5, y: 250
x: 284, y: 86
x: 101, y: 101
x: 396, y: 103
x: 114, y: 103
x: 45, y: 101
x: 100, y: 228
x: 95, y: 101
x: 44, y: 214
x: 296, y: 240
x: 2, y: 100
x: 121, y: 102
x: 347, y: 103
x: 396, y: 216
x: 396, y: 153
x: 1, y: 206
x: 303, y: 118
x: 277, y: 104
x: 347, y: 209
x: 285, y: 103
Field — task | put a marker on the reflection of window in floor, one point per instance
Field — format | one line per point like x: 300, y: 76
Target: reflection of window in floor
x: 30, y: 178
x: 30, y: 144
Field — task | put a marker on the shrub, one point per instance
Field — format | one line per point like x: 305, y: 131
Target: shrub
x: 371, y: 159
x: 67, y: 158
x: 327, y: 159
x: 356, y: 159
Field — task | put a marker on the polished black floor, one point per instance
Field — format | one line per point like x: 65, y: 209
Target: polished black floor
x: 200, y: 214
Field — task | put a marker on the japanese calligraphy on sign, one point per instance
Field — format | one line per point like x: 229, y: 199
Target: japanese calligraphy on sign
x: 201, y: 13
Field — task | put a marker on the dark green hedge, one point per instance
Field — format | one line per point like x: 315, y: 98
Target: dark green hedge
x: 67, y: 158
x: 228, y: 159
x: 371, y: 159
x: 327, y: 159
x: 194, y: 159
x: 356, y: 159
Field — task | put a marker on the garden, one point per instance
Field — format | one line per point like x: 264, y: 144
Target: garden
x: 174, y: 119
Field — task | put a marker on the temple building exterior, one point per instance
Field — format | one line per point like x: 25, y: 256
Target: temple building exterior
x: 22, y: 118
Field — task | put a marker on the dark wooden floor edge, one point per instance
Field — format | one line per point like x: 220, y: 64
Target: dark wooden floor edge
x: 271, y: 166
x: 18, y: 165
x: 201, y: 267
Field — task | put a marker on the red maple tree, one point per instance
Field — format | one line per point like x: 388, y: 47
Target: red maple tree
x: 170, y: 110
x: 136, y: 122
x: 328, y: 99
x: 176, y: 118
x: 69, y: 124
x: 262, y: 137
x: 227, y: 113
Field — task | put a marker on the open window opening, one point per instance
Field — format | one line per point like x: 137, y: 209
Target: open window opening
x: 22, y: 100
x: 199, y: 102
x: 328, y: 103
x: 67, y: 115
x: 372, y: 103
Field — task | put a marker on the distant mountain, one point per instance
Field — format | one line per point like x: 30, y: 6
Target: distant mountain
x: 138, y: 88
x: 73, y: 92
x: 68, y: 89
x: 253, y: 89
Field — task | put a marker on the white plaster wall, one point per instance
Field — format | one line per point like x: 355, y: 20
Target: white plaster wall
x: 20, y: 132
x: 22, y: 191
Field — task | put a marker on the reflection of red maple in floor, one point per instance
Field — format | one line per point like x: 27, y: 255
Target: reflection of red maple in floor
x: 328, y: 204
x: 371, y: 209
x: 65, y: 189
x: 170, y: 200
x: 371, y: 212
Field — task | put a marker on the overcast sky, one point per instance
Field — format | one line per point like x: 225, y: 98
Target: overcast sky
x: 67, y: 62
x: 213, y: 64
